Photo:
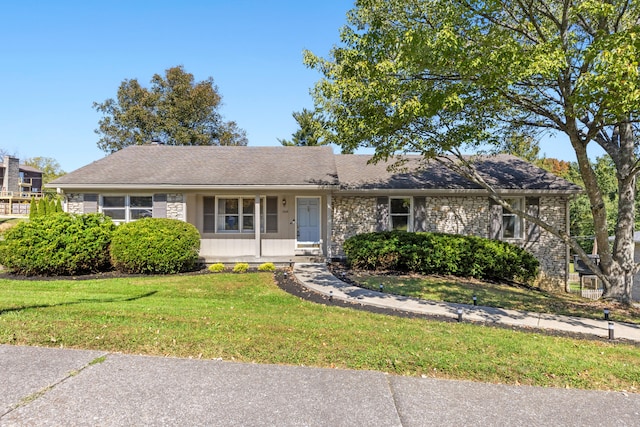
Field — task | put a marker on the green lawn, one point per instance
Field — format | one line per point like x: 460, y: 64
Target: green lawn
x: 246, y: 317
x: 457, y: 290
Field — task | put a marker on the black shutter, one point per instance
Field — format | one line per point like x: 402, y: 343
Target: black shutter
x: 89, y: 203
x: 272, y: 215
x: 208, y: 215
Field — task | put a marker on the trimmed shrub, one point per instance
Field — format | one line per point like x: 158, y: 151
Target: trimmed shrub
x: 33, y: 208
x: 216, y: 268
x: 58, y: 244
x: 267, y: 266
x: 155, y: 246
x: 42, y: 207
x: 439, y: 253
x: 240, y: 267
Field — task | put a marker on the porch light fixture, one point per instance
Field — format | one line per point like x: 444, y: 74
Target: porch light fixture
x: 284, y: 202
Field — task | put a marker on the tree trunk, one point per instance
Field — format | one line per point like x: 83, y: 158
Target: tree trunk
x: 622, y: 267
x: 617, y: 264
x: 620, y: 284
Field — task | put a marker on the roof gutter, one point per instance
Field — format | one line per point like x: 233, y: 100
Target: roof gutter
x: 460, y: 191
x: 189, y: 187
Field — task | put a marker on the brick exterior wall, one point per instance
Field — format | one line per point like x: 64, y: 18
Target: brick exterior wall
x: 459, y: 215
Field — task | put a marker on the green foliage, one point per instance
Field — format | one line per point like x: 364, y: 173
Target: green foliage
x: 437, y: 253
x: 311, y: 132
x: 216, y: 268
x: 521, y: 145
x: 241, y: 267
x: 267, y: 266
x: 176, y: 110
x: 33, y: 208
x: 43, y: 207
x: 155, y: 246
x: 437, y: 77
x: 60, y: 244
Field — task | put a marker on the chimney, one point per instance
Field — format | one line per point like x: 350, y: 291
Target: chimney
x: 11, y: 180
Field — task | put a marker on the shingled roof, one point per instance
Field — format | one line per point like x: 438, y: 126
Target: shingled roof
x: 149, y: 166
x: 154, y: 165
x: 503, y: 172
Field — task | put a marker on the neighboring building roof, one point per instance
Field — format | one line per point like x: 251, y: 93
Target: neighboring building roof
x: 30, y: 169
x: 24, y: 168
x: 155, y: 166
x: 149, y: 165
x: 502, y: 171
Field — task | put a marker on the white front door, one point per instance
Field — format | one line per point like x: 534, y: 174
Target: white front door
x: 308, y: 220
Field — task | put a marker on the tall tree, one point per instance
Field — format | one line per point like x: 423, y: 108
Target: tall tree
x: 437, y: 76
x: 49, y: 166
x: 523, y: 146
x: 175, y: 110
x: 310, y: 131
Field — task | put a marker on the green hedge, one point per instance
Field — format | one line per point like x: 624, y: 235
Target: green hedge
x: 438, y: 253
x: 58, y: 244
x: 155, y: 246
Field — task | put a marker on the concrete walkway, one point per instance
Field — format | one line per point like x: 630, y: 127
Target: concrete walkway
x: 318, y: 278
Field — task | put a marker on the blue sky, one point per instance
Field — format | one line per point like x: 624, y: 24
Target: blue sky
x: 58, y: 57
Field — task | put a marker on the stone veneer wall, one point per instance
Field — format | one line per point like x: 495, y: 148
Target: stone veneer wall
x: 550, y: 251
x: 351, y: 216
x: 457, y: 215
x: 75, y: 203
x: 176, y: 206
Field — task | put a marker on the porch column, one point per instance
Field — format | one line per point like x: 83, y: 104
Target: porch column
x: 256, y: 215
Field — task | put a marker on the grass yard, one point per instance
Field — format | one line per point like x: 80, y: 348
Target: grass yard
x: 452, y: 289
x: 246, y: 317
